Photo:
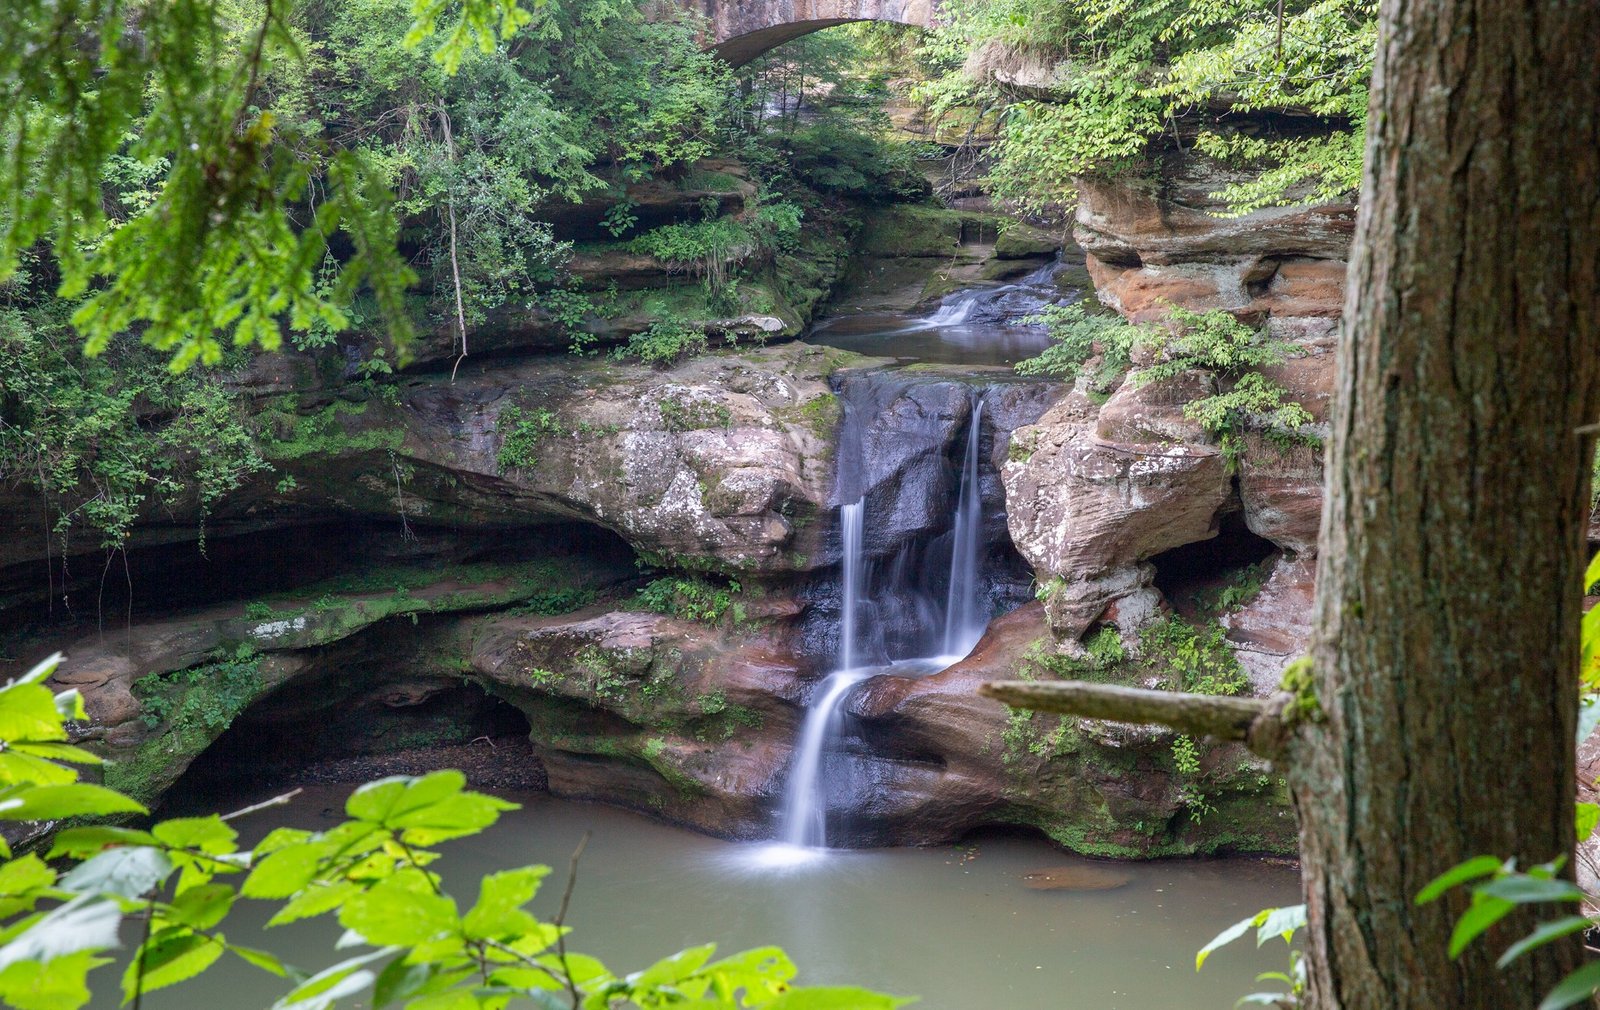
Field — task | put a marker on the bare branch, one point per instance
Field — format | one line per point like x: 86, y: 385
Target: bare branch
x: 276, y: 801
x: 1256, y: 722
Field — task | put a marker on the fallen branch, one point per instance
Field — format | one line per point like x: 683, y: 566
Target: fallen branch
x: 1258, y: 723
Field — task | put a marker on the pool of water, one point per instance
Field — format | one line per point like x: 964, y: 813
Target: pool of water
x: 912, y: 339
x: 960, y: 926
x: 980, y: 326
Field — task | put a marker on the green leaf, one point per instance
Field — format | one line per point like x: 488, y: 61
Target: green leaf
x: 396, y: 911
x: 28, y: 712
x: 58, y: 752
x: 399, y: 981
x: 672, y: 969
x: 1281, y: 922
x: 265, y: 960
x: 54, y: 802
x: 1574, y: 989
x: 167, y: 959
x: 315, y: 899
x: 1485, y: 912
x: 87, y: 923
x: 206, y: 834
x: 283, y: 872
x: 17, y: 767
x: 452, y: 999
x: 1222, y: 939
x: 498, y: 911
x: 80, y: 843
x: 1588, y: 816
x: 1544, y: 933
x: 21, y: 883
x: 326, y: 987
x: 430, y: 809
x: 129, y: 872
x: 202, y: 907
x: 1527, y: 890
x: 1472, y: 869
x: 59, y: 984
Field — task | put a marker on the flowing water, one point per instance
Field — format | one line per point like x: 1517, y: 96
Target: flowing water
x: 901, y: 591
x: 964, y: 620
x: 977, y: 326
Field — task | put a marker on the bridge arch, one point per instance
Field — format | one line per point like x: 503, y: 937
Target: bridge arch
x: 741, y: 30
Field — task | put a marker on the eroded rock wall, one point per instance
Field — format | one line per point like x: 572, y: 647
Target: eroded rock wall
x: 1098, y: 490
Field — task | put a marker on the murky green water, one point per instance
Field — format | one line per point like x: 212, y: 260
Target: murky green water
x: 956, y: 926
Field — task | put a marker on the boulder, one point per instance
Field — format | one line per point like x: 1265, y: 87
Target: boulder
x: 1087, y: 512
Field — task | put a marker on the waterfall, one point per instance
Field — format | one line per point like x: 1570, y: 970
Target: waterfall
x: 805, y: 808
x: 964, y: 620
x: 954, y: 313
x: 850, y: 584
x: 890, y: 616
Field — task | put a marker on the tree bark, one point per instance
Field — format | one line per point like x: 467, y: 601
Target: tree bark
x: 1448, y: 603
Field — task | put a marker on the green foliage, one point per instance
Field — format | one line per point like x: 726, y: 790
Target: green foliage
x: 519, y: 436
x: 692, y: 598
x: 1498, y: 888
x: 692, y: 414
x: 407, y: 942
x: 1185, y: 757
x: 1269, y: 924
x: 667, y: 341
x: 561, y: 600
x: 205, y: 172
x: 714, y: 247
x: 1103, y: 658
x: 1077, y: 336
x: 104, y: 439
x: 1240, y: 588
x: 1196, y: 660
x: 841, y: 144
x: 203, y: 698
x: 1128, y: 74
x: 1213, y: 341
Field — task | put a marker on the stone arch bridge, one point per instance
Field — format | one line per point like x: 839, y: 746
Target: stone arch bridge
x: 741, y: 30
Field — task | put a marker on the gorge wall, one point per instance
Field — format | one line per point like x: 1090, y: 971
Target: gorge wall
x: 635, y: 568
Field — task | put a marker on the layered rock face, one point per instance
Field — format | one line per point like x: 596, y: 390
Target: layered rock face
x: 1100, y: 491
x: 501, y: 521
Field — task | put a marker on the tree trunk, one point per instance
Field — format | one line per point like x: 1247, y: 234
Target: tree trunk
x: 1453, y: 533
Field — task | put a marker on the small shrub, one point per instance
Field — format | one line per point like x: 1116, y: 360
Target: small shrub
x: 668, y: 340
x: 691, y: 598
x: 519, y: 437
x: 553, y: 602
x: 1197, y: 660
x: 1077, y: 336
x: 680, y: 414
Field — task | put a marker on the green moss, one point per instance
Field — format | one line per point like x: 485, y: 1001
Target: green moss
x: 700, y: 180
x: 916, y: 230
x: 186, y: 710
x: 287, y: 434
